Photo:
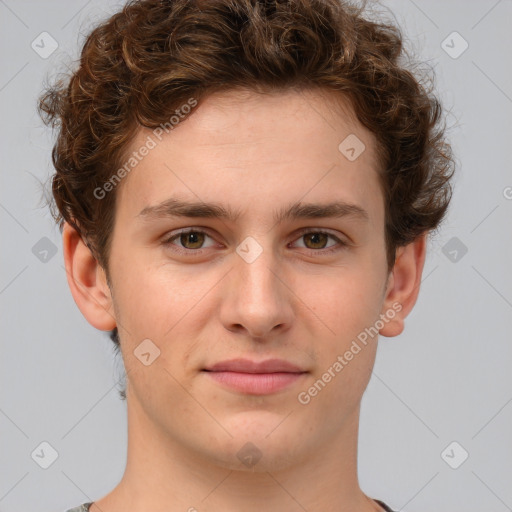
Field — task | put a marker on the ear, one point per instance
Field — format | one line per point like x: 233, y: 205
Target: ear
x: 403, y: 285
x: 87, y: 281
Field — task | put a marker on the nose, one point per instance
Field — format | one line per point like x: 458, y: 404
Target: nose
x: 257, y: 300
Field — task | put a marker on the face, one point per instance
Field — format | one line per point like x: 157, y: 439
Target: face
x: 256, y: 283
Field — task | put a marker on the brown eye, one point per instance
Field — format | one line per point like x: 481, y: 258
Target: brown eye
x: 319, y: 243
x: 192, y: 239
x: 317, y: 240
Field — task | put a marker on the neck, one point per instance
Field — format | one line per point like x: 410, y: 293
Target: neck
x: 163, y: 474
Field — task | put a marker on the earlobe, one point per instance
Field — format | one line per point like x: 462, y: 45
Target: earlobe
x: 87, y: 281
x: 403, y: 285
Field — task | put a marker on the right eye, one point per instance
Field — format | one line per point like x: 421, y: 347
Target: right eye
x: 191, y: 240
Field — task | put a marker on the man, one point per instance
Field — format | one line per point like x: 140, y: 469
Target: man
x: 245, y: 191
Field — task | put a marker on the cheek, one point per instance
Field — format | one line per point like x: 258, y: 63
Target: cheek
x: 348, y: 309
x: 344, y: 301
x: 152, y: 299
x: 164, y: 305
x: 151, y: 307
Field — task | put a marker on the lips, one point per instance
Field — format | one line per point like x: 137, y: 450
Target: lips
x: 255, y: 378
x: 248, y: 366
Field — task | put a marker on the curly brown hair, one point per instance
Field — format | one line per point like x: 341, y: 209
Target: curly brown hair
x: 145, y: 61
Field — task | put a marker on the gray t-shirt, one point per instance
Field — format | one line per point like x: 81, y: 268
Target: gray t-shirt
x: 85, y: 507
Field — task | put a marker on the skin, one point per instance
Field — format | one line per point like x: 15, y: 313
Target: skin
x: 256, y: 154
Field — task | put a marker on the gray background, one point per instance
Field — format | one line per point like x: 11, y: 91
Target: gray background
x: 446, y: 378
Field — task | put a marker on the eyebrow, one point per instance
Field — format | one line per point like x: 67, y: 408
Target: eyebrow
x: 176, y: 208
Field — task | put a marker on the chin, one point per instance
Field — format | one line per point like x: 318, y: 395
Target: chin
x: 259, y: 443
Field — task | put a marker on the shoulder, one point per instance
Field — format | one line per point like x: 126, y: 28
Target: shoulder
x: 84, y: 507
x: 384, y: 506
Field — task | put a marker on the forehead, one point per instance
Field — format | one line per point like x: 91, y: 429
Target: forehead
x: 257, y: 150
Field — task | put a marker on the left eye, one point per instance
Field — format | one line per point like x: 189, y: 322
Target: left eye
x: 318, y: 239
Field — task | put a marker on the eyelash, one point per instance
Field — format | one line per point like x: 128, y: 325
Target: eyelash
x: 168, y: 241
